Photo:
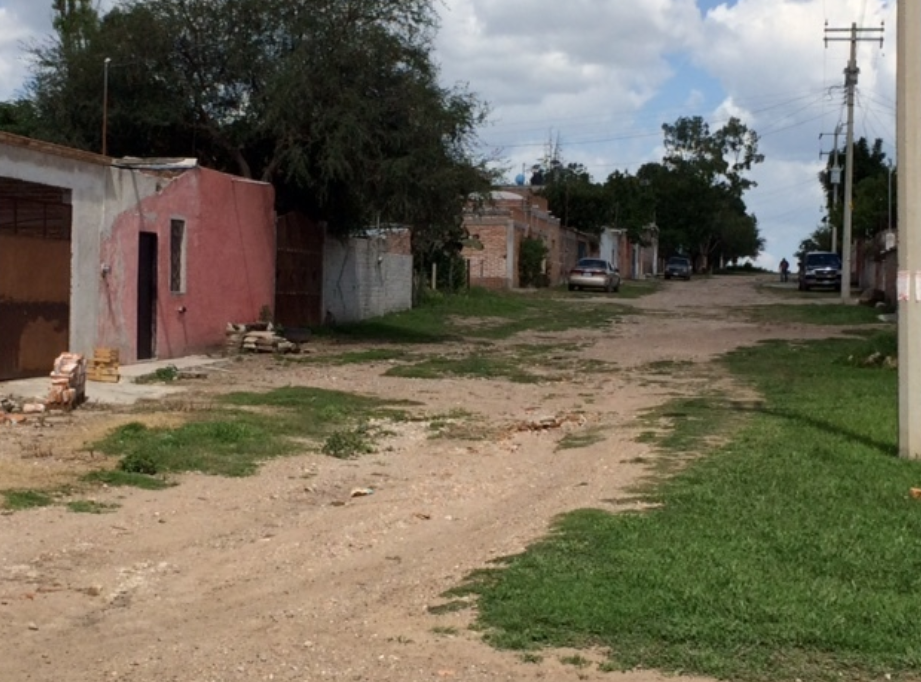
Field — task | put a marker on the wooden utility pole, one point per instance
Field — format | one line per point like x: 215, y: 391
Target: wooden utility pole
x: 850, y: 84
x: 908, y: 96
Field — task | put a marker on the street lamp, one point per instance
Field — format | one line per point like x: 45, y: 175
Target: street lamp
x: 105, y: 103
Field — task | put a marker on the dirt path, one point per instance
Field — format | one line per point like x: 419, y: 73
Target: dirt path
x: 273, y: 578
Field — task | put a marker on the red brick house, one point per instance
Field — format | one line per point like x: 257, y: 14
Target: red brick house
x: 496, y: 231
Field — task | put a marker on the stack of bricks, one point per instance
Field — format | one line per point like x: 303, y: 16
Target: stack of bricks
x: 104, y: 365
x: 68, y: 381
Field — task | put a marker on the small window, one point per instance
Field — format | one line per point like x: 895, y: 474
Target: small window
x: 177, y: 256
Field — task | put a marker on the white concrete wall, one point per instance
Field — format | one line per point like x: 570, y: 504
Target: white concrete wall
x: 99, y: 193
x: 361, y: 280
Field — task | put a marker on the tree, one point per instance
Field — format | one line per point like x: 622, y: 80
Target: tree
x: 870, y: 190
x: 19, y: 117
x: 634, y: 200
x: 702, y: 188
x: 579, y: 202
x: 336, y: 103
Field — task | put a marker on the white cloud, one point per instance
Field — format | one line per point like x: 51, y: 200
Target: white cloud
x: 605, y: 75
x: 14, y: 31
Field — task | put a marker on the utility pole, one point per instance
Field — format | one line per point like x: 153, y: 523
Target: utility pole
x: 834, y: 180
x: 908, y: 96
x: 850, y: 84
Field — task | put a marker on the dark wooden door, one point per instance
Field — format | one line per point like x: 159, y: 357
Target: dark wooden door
x: 299, y: 272
x: 147, y: 296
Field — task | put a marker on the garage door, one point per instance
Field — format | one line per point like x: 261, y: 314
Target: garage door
x: 35, y: 240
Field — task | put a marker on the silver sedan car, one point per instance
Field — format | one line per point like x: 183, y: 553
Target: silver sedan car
x: 594, y: 273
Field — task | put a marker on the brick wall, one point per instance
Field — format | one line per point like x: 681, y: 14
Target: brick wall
x: 521, y: 213
x: 489, y: 265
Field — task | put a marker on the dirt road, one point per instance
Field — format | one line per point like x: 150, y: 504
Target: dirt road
x: 284, y: 576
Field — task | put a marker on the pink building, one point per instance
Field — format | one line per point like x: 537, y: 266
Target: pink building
x: 150, y: 257
x: 181, y: 264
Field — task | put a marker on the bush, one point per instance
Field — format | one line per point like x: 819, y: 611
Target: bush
x: 138, y: 463
x: 531, y: 263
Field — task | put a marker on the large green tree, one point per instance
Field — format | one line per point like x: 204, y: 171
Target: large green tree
x: 695, y: 195
x: 872, y: 191
x: 704, y: 187
x: 336, y: 103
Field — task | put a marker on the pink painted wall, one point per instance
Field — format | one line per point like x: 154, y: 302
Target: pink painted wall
x: 229, y: 267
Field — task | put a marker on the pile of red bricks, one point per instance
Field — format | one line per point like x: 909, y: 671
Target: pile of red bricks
x: 68, y: 382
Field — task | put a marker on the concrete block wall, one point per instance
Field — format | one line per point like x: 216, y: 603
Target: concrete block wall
x: 366, y: 277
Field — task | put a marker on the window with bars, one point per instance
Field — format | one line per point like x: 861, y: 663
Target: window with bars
x: 177, y: 256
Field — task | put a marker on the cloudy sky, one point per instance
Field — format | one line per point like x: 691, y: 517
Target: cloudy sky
x: 602, y: 76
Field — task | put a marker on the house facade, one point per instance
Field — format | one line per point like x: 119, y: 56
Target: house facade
x: 152, y: 258
x: 497, y: 230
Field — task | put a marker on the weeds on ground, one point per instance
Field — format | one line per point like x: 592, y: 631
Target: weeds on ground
x: 831, y: 314
x: 349, y: 443
x: 788, y: 552
x: 163, y: 375
x: 575, y: 660
x: 25, y: 499
x: 91, y: 507
x: 479, y: 313
x: 452, y: 606
x: 122, y: 478
x: 446, y: 631
x: 460, y: 425
x: 585, y: 438
x: 249, y: 428
x: 474, y: 366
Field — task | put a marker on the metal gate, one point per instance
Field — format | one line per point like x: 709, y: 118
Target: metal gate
x: 35, y: 235
x: 299, y: 272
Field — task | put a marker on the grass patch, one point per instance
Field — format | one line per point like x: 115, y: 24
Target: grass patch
x: 348, y: 443
x: 575, y: 660
x: 249, y: 428
x: 553, y: 362
x: 667, y: 367
x: 163, y: 375
x: 484, y: 314
x: 831, y: 314
x: 91, y: 507
x: 789, y: 552
x: 25, y: 499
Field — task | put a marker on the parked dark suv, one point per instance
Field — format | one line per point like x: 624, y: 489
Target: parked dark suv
x: 678, y: 266
x: 819, y: 269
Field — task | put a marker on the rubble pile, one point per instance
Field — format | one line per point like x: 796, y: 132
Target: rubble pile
x: 257, y: 338
x: 68, y: 382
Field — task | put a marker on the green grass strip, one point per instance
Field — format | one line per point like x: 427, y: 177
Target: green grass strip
x: 792, y: 552
x: 246, y: 430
